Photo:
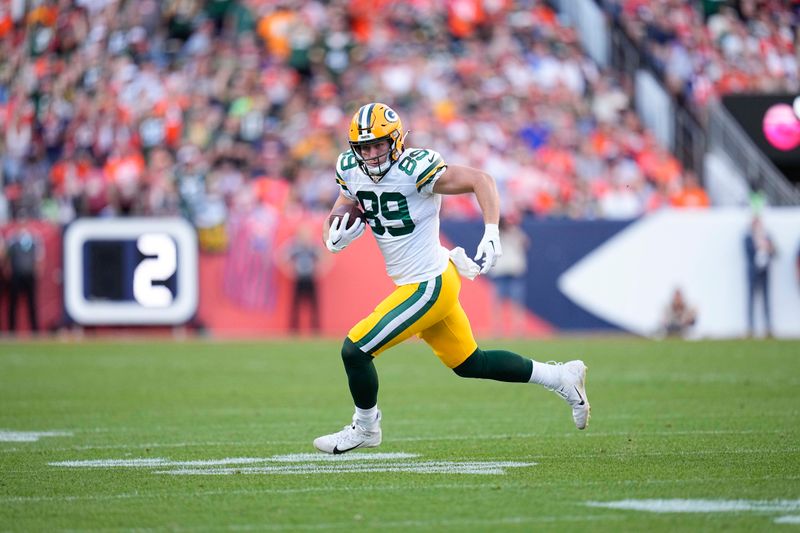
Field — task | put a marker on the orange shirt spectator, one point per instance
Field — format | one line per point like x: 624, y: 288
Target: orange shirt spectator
x: 691, y: 195
x: 125, y: 169
x: 171, y: 110
x: 544, y: 16
x: 556, y: 161
x: 463, y: 16
x: 658, y: 165
x: 6, y: 23
x: 275, y: 29
x: 543, y: 203
x: 69, y: 174
x: 601, y: 142
x: 733, y: 81
x: 44, y: 15
x: 362, y: 17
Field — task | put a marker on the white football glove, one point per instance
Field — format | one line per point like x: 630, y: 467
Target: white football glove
x: 340, y: 236
x: 489, y: 248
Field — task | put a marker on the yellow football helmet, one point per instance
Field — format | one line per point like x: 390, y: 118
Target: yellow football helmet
x: 372, y: 124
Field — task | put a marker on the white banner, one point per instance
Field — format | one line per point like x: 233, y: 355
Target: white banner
x: 628, y: 281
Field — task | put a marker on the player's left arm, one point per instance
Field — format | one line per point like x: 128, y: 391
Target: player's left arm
x: 459, y: 179
x: 341, y: 200
x: 338, y: 235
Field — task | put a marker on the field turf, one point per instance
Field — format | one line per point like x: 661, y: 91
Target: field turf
x: 216, y: 436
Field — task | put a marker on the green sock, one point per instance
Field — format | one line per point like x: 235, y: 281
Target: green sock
x: 499, y: 365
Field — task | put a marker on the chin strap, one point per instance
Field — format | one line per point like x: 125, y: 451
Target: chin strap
x: 378, y: 177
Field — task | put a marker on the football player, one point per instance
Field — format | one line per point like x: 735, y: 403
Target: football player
x: 399, y: 190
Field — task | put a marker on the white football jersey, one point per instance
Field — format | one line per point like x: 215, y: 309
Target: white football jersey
x: 402, y: 211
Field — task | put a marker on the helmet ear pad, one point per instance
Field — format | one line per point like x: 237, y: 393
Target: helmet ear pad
x: 397, y: 144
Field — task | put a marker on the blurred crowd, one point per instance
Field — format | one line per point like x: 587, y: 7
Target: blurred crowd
x: 709, y: 48
x: 211, y: 108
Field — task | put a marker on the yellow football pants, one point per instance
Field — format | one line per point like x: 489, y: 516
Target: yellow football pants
x: 429, y: 309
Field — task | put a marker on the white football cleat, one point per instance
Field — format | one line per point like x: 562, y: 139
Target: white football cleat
x: 573, y: 390
x: 350, y: 438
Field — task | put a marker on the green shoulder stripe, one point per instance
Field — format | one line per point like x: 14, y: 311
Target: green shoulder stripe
x: 429, y: 172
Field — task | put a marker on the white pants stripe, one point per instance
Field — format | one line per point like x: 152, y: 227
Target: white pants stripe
x: 402, y: 317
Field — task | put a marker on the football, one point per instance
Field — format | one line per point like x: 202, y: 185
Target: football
x: 354, y: 210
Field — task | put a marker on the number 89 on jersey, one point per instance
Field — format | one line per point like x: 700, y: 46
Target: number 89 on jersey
x: 130, y: 271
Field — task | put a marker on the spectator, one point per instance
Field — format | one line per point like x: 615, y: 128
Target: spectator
x: 302, y: 260
x: 760, y: 252
x: 25, y: 256
x: 679, y: 316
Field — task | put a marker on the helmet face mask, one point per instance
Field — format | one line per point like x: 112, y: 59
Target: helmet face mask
x: 378, y: 160
x: 373, y: 124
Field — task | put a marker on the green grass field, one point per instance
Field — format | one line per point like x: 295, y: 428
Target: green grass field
x: 139, y: 432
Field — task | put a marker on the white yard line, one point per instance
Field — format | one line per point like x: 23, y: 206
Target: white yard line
x: 7, y: 435
x: 701, y: 506
x: 301, y: 464
x: 152, y: 462
x: 417, y: 467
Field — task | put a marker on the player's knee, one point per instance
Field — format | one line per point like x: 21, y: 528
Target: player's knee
x: 353, y: 356
x: 473, y: 366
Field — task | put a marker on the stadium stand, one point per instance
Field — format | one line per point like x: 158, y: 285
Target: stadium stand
x: 708, y: 49
x: 200, y: 108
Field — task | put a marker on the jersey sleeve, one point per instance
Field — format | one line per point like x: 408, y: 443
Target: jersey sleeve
x: 430, y: 167
x: 342, y: 165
